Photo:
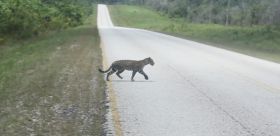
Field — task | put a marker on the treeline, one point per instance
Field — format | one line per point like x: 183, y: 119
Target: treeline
x: 227, y: 12
x: 24, y: 18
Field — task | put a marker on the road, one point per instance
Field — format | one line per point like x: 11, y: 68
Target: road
x: 194, y: 89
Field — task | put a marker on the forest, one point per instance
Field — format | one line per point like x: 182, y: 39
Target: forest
x: 21, y: 19
x: 227, y: 12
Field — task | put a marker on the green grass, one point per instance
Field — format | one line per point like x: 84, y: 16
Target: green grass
x: 49, y: 85
x: 258, y: 41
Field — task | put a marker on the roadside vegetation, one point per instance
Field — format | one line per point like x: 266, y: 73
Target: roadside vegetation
x: 49, y: 84
x: 23, y: 19
x: 256, y: 40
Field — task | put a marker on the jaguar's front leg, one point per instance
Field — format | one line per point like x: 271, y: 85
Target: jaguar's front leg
x: 144, y: 74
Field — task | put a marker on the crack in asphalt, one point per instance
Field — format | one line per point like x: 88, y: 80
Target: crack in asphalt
x: 245, y: 128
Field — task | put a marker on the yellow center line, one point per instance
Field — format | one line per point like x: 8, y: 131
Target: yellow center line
x: 112, y: 99
x: 257, y: 82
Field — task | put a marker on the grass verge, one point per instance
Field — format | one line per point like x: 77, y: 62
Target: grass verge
x: 257, y: 41
x: 50, y: 85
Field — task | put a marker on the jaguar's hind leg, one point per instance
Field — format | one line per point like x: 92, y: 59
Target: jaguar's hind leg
x: 119, y: 72
x: 110, y: 73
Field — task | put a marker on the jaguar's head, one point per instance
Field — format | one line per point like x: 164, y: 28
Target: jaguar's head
x: 151, y: 61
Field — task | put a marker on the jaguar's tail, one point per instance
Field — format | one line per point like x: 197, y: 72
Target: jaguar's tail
x: 100, y: 70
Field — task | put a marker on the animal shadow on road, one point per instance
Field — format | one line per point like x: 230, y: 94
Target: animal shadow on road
x: 132, y: 81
